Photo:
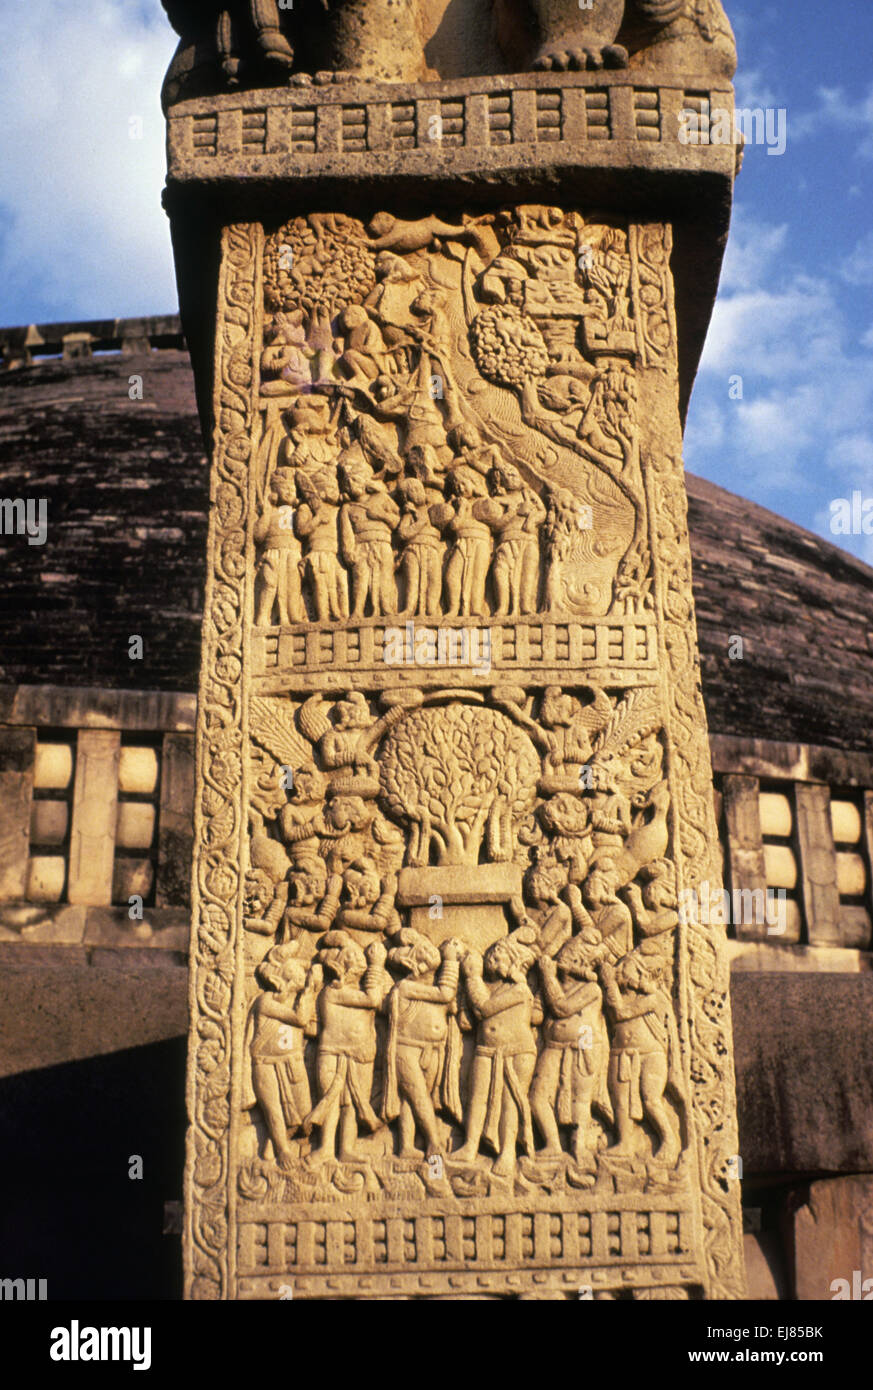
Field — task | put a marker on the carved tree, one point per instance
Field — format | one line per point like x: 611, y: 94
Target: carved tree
x: 458, y: 776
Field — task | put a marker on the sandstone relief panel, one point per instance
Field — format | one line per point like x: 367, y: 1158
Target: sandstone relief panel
x: 452, y: 1039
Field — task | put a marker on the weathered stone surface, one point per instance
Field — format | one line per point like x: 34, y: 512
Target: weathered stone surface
x: 46, y: 922
x: 62, y: 1003
x: 159, y: 928
x: 176, y: 830
x: 833, y: 1241
x: 17, y: 748
x: 804, y: 1071
x: 765, y: 1277
x: 95, y: 798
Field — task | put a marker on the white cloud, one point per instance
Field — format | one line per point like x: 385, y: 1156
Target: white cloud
x: 837, y: 109
x: 752, y: 252
x: 858, y: 267
x: 82, y: 231
x: 804, y: 425
x: 752, y: 90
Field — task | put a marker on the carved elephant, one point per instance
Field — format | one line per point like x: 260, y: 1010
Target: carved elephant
x: 563, y: 34
x: 264, y: 42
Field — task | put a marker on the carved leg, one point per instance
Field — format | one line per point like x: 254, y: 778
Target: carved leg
x: 481, y: 1078
x: 269, y: 587
x: 266, y: 24
x: 454, y: 584
x: 224, y: 42
x: 574, y: 38
x: 502, y: 585
x: 326, y: 1147
x: 510, y: 1118
x: 339, y: 593
x: 582, y: 1119
x: 542, y: 1100
x: 653, y: 1082
x: 348, y: 1133
x: 477, y: 574
x: 411, y: 574
x: 529, y: 575
x: 620, y: 1095
x: 384, y: 587
x: 431, y: 586
x: 412, y: 1079
x: 266, y: 1088
x: 360, y: 587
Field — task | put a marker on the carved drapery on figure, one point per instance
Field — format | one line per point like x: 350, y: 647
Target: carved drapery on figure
x: 451, y: 1034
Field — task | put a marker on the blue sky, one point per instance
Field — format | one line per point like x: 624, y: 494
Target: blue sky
x: 82, y: 233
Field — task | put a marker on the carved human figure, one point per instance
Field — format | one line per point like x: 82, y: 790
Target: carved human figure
x: 470, y: 550
x: 421, y: 560
x: 298, y: 816
x: 424, y: 1044
x: 397, y: 284
x: 216, y: 25
x: 506, y: 1049
x: 285, y: 360
x: 570, y: 1073
x: 279, y: 563
x: 514, y: 514
x: 347, y: 1007
x: 264, y: 902
x: 263, y: 41
x: 645, y: 1060
x: 375, y: 445
x: 365, y: 355
x: 409, y: 402
x: 423, y: 464
x: 346, y: 742
x: 559, y: 532
x: 348, y: 828
x: 316, y: 525
x: 544, y: 882
x: 470, y: 450
x: 367, y: 520
x: 609, y: 806
x: 310, y: 433
x: 279, y: 1018
x: 367, y: 899
x: 655, y: 908
x: 566, y: 820
x: 569, y: 726
x: 313, y: 903
x: 597, y: 910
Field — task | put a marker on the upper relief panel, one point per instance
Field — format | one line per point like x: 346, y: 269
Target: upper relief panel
x: 260, y: 43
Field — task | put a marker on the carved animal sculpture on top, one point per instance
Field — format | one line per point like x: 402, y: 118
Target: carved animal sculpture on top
x: 561, y: 34
x: 260, y: 42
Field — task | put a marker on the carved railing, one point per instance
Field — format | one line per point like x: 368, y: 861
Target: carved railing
x: 28, y: 343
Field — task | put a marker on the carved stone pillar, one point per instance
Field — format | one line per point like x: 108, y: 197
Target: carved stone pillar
x: 450, y: 1034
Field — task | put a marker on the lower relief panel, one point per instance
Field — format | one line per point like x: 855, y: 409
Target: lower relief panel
x: 450, y: 1036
